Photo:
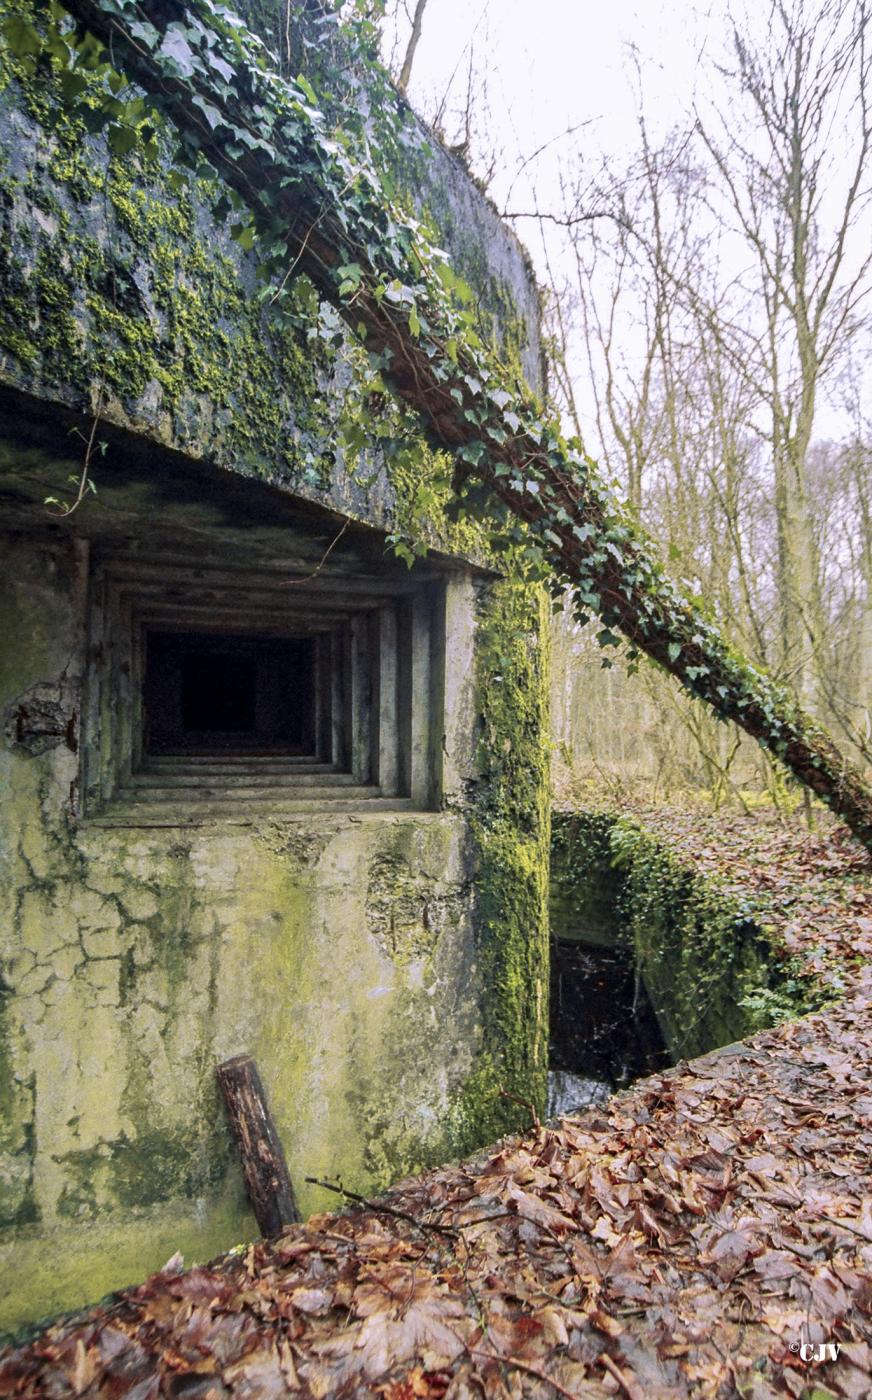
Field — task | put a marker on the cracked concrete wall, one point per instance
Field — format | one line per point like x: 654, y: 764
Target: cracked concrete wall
x: 338, y: 951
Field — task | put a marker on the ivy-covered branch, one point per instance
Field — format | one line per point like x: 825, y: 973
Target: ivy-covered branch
x: 318, y: 206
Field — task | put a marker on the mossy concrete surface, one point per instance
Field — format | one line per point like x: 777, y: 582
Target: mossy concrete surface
x: 510, y: 824
x: 120, y: 291
x: 702, y: 957
x: 351, y: 955
x: 388, y: 971
x: 44, y: 1276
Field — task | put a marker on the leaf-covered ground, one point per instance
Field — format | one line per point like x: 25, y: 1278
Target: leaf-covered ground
x: 704, y: 1234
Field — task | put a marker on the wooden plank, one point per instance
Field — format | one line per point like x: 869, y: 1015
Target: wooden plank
x: 263, y: 1159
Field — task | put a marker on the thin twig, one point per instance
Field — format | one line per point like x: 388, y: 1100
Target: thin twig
x: 382, y: 1209
x: 524, y: 1103
x: 629, y: 1385
x: 295, y: 582
x: 524, y: 1366
x: 84, y: 478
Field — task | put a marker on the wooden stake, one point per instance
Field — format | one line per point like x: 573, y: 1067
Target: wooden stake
x: 263, y: 1160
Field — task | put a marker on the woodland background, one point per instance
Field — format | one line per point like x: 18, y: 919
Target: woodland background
x: 708, y: 312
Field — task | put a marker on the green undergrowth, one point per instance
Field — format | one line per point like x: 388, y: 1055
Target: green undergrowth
x: 713, y: 970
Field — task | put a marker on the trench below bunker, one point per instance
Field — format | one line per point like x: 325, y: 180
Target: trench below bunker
x: 604, y: 1033
x: 603, y: 1029
x: 650, y: 962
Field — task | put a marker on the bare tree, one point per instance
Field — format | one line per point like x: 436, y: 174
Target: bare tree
x: 791, y: 157
x: 711, y: 315
x: 414, y: 39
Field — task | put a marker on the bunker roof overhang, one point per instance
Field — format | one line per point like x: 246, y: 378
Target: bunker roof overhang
x: 129, y: 298
x: 149, y: 494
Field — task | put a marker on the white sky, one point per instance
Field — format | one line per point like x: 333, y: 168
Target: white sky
x: 550, y: 65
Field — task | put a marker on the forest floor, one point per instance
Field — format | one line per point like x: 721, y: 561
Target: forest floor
x: 706, y: 1233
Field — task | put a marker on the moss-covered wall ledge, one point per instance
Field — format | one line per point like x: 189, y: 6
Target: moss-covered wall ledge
x: 712, y: 972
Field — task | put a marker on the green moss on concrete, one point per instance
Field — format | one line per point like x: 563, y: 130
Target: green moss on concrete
x: 711, y: 972
x: 142, y: 1170
x: 510, y: 833
x: 17, y: 1145
x: 124, y: 290
x: 44, y: 1273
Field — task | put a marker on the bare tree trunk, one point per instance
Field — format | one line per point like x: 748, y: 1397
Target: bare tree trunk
x: 806, y: 81
x: 414, y: 38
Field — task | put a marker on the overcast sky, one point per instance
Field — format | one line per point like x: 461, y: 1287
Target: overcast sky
x: 543, y: 66
x: 558, y: 74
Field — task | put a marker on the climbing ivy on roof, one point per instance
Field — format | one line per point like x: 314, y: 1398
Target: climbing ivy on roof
x: 311, y: 195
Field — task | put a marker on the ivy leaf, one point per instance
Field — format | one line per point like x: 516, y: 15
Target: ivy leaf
x: 221, y: 66
x: 243, y: 234
x: 397, y: 292
x: 212, y: 114
x: 349, y: 275
x: 95, y: 119
x: 176, y: 48
x: 21, y: 36
x: 122, y: 139
x: 145, y: 33
x: 72, y: 85
x: 306, y: 88
x: 673, y: 651
x: 472, y: 452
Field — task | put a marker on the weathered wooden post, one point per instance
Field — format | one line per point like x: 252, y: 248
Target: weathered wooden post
x: 263, y: 1160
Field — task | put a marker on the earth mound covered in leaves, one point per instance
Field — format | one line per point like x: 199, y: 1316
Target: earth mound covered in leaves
x: 809, y: 892
x: 708, y: 1233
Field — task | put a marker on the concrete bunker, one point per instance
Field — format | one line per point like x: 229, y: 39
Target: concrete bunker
x: 348, y: 884
x: 189, y: 874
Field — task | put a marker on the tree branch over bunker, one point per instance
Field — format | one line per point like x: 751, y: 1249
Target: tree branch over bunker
x: 320, y: 207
